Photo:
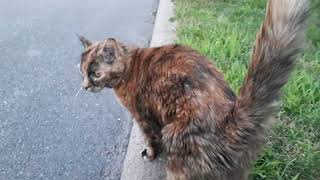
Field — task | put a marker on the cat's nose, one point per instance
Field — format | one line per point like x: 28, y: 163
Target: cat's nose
x: 86, y: 84
x: 86, y: 87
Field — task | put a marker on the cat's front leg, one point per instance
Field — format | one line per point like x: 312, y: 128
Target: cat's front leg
x: 152, y: 134
x: 154, y: 147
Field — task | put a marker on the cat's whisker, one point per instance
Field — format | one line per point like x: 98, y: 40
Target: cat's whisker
x: 75, y: 98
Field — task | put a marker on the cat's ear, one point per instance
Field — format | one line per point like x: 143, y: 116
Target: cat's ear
x: 115, y: 44
x: 85, y: 42
x: 111, y: 50
x: 113, y: 47
x: 118, y: 47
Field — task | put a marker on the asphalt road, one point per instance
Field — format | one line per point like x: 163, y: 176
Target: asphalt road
x: 44, y: 132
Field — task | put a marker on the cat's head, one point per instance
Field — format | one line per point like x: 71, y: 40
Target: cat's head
x: 102, y: 63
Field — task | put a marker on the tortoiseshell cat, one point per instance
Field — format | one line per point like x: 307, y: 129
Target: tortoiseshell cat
x: 184, y: 106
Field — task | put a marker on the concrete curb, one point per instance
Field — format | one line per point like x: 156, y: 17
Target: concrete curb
x: 134, y: 167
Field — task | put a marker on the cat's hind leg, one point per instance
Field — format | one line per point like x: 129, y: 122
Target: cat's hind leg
x: 175, y: 176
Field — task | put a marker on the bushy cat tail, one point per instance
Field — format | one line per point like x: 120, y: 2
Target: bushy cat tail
x: 277, y: 45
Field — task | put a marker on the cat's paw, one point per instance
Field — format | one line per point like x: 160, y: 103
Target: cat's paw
x: 147, y: 155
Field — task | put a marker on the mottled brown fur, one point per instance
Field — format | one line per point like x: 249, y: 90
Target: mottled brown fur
x: 185, y: 108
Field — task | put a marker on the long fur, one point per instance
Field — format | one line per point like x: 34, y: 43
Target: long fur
x: 277, y: 45
x: 185, y: 108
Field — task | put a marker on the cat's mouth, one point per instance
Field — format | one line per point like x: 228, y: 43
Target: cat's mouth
x: 94, y: 89
x: 108, y: 85
x: 98, y: 88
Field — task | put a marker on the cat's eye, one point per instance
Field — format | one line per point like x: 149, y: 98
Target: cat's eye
x: 97, y: 74
x: 110, y: 61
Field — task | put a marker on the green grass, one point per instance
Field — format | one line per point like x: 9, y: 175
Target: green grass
x: 224, y: 30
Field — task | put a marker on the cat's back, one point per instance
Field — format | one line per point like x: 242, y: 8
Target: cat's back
x: 186, y: 65
x: 181, y: 59
x: 178, y: 77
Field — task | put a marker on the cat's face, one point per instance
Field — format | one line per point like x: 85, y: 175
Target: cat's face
x: 102, y: 64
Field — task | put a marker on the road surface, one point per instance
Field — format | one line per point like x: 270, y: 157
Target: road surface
x: 45, y: 133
